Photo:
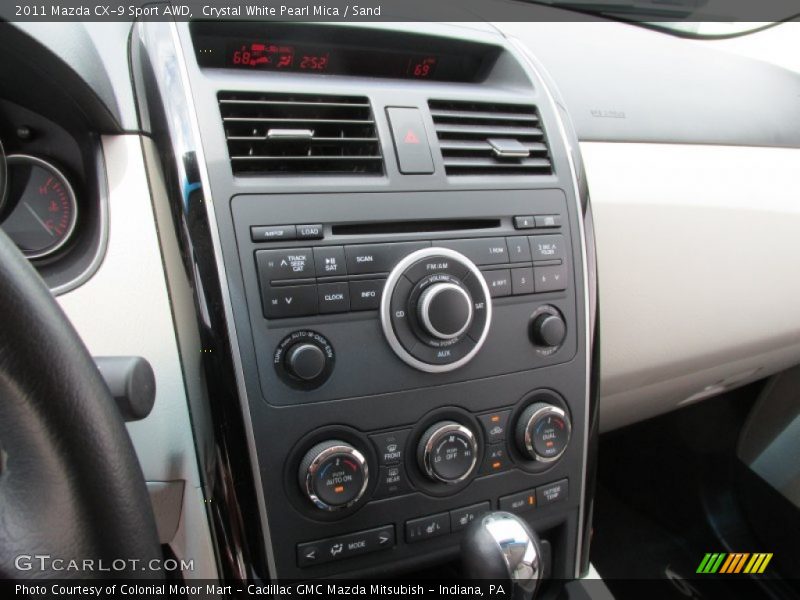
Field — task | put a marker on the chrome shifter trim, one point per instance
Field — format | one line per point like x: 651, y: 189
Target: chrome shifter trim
x: 520, y: 554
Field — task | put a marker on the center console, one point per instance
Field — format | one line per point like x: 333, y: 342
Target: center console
x: 403, y: 257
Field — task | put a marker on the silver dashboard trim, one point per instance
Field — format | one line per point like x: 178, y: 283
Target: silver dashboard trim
x: 194, y: 132
x: 537, y: 69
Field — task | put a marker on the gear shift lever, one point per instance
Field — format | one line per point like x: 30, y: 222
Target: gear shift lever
x: 499, y: 545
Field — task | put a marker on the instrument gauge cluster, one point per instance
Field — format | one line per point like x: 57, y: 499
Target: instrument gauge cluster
x: 38, y: 205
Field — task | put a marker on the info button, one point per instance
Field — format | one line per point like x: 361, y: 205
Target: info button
x: 366, y: 295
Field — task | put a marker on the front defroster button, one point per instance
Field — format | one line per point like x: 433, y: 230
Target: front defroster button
x: 390, y: 446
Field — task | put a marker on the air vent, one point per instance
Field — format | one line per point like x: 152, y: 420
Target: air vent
x: 293, y: 134
x: 490, y: 139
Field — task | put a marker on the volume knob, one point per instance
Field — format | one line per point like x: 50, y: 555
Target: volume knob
x: 445, y: 310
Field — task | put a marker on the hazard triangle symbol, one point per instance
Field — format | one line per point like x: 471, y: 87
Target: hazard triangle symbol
x: 411, y: 137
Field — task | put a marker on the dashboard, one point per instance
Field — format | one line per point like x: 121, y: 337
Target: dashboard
x: 365, y: 266
x: 443, y: 233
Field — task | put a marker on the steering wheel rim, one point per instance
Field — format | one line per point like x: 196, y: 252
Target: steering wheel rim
x: 71, y: 486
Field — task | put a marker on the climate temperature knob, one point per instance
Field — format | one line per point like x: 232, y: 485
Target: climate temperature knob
x: 333, y: 475
x: 543, y: 432
x: 447, y: 452
x: 436, y: 310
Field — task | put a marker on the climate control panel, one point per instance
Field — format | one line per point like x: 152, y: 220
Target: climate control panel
x: 437, y: 456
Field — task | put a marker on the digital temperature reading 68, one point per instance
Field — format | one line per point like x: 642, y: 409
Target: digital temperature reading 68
x: 279, y: 57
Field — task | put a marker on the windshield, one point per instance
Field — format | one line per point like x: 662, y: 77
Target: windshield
x: 689, y: 18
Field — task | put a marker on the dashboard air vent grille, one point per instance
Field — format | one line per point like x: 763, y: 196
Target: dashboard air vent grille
x: 479, y: 138
x: 296, y: 134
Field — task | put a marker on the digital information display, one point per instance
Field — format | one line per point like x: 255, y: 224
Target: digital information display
x: 280, y: 56
x: 325, y: 50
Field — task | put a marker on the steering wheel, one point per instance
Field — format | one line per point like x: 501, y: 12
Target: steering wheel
x: 71, y: 487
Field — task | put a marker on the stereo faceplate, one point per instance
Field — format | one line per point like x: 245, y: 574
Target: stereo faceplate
x: 332, y: 284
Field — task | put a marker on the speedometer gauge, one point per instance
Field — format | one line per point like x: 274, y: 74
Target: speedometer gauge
x: 42, y: 209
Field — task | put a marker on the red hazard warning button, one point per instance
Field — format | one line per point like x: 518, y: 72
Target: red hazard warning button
x: 410, y: 140
x: 411, y: 137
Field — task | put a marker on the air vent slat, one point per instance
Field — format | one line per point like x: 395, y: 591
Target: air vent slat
x: 484, y: 130
x: 299, y: 120
x: 462, y: 163
x: 300, y: 134
x: 484, y: 138
x: 442, y: 115
x: 479, y: 146
x: 294, y: 103
x: 306, y: 158
x: 261, y: 138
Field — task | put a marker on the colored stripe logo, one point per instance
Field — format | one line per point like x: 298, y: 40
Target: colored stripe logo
x: 734, y: 562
